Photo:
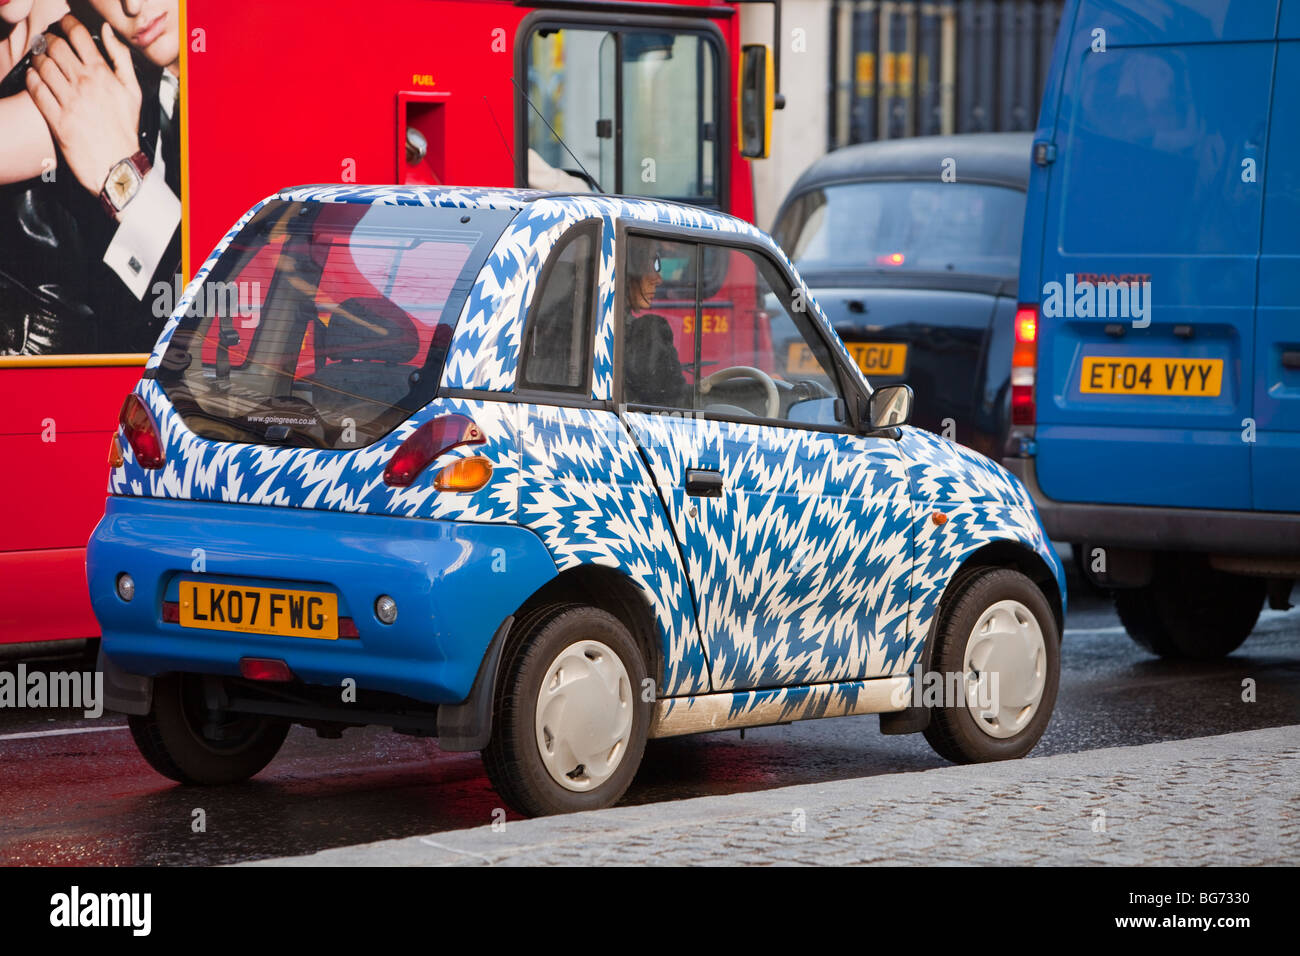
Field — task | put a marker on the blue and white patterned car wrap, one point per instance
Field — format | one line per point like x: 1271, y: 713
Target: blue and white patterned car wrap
x: 586, y: 492
x: 824, y: 567
x: 802, y: 567
x: 983, y: 502
x: 198, y: 469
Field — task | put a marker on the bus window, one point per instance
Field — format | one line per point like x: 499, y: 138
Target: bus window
x: 665, y: 87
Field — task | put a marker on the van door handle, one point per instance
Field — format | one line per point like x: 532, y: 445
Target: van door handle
x: 1291, y: 358
x: 703, y: 483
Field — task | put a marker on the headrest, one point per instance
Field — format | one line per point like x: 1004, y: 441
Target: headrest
x: 369, y: 329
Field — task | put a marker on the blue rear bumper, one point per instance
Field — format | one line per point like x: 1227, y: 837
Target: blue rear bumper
x: 454, y: 584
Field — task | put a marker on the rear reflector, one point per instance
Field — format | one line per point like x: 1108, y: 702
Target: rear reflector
x: 171, y: 612
x: 348, y: 627
x: 1024, y: 366
x: 435, y: 437
x: 141, y: 433
x: 265, y: 668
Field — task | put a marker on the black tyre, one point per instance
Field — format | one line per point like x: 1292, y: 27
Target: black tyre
x: 998, y: 653
x: 174, y: 736
x: 569, y: 726
x: 1191, y: 610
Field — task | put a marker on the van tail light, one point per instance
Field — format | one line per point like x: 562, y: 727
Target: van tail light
x: 435, y: 437
x: 141, y: 433
x: 1024, y: 366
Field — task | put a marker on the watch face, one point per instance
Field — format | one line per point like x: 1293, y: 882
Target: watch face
x: 122, y: 183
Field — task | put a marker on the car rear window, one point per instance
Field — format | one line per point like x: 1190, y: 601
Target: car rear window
x: 325, y: 325
x: 906, y: 226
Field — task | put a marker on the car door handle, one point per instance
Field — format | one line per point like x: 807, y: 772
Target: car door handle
x: 704, y: 483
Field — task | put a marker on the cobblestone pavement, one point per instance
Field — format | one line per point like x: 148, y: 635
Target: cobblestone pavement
x: 1231, y: 799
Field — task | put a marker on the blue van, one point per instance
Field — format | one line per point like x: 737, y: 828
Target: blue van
x: 1156, y: 383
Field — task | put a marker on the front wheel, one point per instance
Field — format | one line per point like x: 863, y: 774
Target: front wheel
x: 570, y: 721
x: 996, y: 667
x: 183, y: 740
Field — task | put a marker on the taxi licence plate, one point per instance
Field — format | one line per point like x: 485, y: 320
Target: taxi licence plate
x: 873, y: 358
x: 1117, y: 375
x: 279, y: 611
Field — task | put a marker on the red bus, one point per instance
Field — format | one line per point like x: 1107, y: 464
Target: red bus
x: 622, y: 97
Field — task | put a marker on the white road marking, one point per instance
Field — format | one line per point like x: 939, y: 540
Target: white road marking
x: 59, y: 733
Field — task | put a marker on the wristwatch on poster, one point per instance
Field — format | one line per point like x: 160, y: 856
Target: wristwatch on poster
x: 123, y: 182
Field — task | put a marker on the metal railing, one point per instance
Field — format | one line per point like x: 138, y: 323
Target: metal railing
x: 922, y: 67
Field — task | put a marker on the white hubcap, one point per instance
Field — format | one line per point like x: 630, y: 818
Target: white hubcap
x: 1006, y: 669
x: 584, y: 715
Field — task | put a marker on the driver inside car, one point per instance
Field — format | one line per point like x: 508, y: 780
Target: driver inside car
x: 651, y: 365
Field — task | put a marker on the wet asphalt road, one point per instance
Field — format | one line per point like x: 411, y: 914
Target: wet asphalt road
x: 89, y: 798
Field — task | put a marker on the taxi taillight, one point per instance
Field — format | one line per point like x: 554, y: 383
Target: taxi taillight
x: 1024, y: 366
x: 432, y: 439
x: 141, y: 433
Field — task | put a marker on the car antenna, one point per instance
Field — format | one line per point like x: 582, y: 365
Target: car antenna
x: 500, y: 131
x: 590, y: 178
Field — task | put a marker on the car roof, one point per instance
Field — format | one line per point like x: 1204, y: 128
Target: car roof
x: 1002, y: 158
x: 637, y: 208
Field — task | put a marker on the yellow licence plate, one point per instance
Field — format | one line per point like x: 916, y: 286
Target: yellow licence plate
x: 874, y: 358
x: 1117, y: 375
x: 280, y: 611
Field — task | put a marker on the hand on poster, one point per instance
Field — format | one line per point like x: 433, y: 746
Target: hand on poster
x: 92, y: 104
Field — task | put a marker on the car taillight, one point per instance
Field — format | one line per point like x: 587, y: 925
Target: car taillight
x: 141, y: 433
x: 468, y: 474
x: 435, y: 437
x: 890, y: 259
x: 1024, y: 366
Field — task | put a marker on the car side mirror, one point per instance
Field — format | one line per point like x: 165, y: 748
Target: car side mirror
x: 889, y: 407
x: 757, y: 100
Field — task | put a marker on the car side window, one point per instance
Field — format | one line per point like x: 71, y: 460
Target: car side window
x: 556, y: 349
x: 658, y: 283
x: 745, y: 346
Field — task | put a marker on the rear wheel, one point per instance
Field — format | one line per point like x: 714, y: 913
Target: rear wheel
x: 183, y: 740
x: 570, y: 725
x: 997, y: 652
x: 1191, y: 610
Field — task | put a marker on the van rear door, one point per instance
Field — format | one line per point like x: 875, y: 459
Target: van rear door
x: 1276, y: 451
x: 1160, y: 133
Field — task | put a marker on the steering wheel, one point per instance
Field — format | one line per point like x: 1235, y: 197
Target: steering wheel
x: 746, y: 371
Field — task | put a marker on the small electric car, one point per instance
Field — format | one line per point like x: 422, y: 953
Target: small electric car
x: 544, y: 476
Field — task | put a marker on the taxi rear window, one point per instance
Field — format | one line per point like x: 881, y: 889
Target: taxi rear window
x: 325, y: 325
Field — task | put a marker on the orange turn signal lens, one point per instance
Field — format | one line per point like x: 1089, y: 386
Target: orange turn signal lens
x: 468, y: 474
x: 114, y: 453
